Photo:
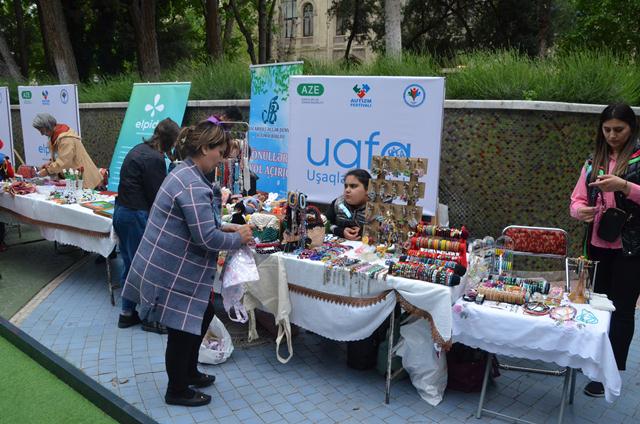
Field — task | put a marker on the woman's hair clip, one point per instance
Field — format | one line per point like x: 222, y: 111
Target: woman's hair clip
x: 225, y: 125
x: 214, y: 120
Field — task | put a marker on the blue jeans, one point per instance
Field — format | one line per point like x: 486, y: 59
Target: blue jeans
x: 129, y: 225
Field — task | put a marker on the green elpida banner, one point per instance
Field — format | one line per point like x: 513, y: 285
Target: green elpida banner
x: 149, y: 104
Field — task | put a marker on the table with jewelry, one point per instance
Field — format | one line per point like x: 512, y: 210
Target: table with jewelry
x: 348, y: 303
x: 70, y: 224
x: 575, y: 337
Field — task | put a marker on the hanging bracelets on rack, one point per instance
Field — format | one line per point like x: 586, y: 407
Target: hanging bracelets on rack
x: 295, y: 222
x: 234, y: 173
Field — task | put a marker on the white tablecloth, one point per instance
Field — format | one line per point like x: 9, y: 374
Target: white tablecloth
x: 78, y: 219
x: 434, y: 299
x: 585, y: 347
x: 347, y: 308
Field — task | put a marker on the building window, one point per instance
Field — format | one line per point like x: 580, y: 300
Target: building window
x: 289, y: 18
x: 341, y: 24
x: 307, y: 20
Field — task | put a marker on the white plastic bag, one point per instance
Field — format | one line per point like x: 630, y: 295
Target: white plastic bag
x: 427, y: 368
x: 239, y: 268
x: 217, y: 345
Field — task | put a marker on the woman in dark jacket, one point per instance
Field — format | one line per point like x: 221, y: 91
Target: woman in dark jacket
x: 143, y: 171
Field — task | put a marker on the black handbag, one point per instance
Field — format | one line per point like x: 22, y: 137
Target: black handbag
x: 611, y: 224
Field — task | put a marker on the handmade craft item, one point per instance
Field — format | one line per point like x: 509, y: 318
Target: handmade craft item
x: 585, y: 271
x: 563, y: 313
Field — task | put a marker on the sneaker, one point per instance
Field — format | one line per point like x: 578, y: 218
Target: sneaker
x: 126, y: 321
x: 154, y: 327
x: 594, y: 389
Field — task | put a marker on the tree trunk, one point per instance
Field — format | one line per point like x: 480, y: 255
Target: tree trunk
x: 48, y: 56
x: 544, y: 25
x: 354, y: 28
x: 143, y: 15
x: 212, y: 26
x: 8, y: 60
x: 56, y: 37
x: 393, y: 28
x: 243, y: 29
x: 23, y: 53
x: 228, y: 26
x: 262, y: 31
x: 269, y: 31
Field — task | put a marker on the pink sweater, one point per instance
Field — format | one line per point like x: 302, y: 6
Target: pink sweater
x: 579, y: 199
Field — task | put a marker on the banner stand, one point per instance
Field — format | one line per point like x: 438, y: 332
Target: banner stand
x: 6, y: 129
x: 149, y: 104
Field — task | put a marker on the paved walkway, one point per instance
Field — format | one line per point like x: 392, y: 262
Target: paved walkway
x: 77, y: 322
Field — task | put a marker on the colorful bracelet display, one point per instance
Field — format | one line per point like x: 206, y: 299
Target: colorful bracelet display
x: 437, y: 243
x: 454, y: 266
x: 429, y: 273
x: 324, y: 253
x: 507, y: 294
x: 424, y: 230
x: 531, y: 285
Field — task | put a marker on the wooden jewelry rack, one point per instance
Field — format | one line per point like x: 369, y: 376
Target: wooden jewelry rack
x: 390, y: 223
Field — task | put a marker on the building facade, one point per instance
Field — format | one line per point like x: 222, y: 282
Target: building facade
x: 307, y: 30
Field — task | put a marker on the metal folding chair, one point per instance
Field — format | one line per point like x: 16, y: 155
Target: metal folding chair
x: 542, y: 242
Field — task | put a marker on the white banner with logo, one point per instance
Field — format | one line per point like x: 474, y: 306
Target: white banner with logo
x: 338, y: 123
x: 6, y: 130
x: 59, y: 101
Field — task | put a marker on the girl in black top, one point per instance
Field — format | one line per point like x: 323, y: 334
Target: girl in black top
x: 347, y: 213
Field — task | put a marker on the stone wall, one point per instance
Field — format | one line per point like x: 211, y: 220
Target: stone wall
x: 502, y: 162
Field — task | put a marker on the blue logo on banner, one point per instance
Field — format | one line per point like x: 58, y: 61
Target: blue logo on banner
x: 269, y: 115
x: 414, y: 95
x: 45, y: 98
x: 64, y: 96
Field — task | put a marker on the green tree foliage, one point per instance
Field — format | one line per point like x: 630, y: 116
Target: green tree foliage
x: 360, y: 21
x: 444, y: 27
x: 33, y: 49
x: 610, y: 24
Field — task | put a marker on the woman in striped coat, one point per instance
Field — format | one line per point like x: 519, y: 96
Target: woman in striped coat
x: 171, y: 275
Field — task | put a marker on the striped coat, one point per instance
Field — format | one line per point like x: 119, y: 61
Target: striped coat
x: 171, y: 275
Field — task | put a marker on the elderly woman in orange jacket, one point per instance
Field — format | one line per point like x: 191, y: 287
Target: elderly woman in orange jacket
x: 67, y: 150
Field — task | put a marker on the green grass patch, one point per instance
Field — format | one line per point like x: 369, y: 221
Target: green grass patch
x: 31, y: 394
x: 580, y: 76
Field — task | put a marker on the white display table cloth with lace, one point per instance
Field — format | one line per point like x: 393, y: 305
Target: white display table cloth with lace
x: 579, y: 344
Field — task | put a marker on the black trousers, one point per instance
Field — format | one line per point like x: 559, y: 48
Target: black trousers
x: 618, y: 277
x: 181, y: 356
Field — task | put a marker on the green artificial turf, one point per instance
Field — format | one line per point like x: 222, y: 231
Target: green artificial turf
x: 31, y: 394
x: 27, y: 268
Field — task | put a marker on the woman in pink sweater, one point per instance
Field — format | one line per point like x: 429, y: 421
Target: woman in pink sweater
x: 611, y: 178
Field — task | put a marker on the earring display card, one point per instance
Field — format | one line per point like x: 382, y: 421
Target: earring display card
x: 389, y: 221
